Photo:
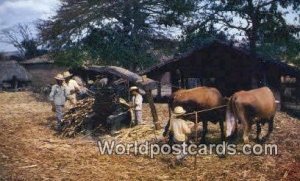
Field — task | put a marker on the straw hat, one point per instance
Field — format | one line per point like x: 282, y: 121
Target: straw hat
x: 67, y: 74
x: 179, y: 110
x: 90, y: 82
x: 59, y: 77
x: 133, y: 88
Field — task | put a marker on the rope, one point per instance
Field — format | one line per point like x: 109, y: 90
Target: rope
x: 205, y: 110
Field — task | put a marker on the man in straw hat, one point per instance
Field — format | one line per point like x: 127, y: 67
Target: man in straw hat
x: 180, y: 130
x: 72, y: 87
x: 58, y: 97
x: 137, y: 104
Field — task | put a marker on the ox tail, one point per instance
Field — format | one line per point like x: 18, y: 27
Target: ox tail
x: 231, y: 118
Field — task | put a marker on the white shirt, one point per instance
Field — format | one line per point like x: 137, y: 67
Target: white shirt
x: 137, y: 101
x: 72, y: 85
x: 180, y: 129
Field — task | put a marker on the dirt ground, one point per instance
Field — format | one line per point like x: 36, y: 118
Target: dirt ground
x: 30, y: 150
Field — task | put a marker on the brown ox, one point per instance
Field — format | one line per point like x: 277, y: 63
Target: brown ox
x: 247, y: 107
x: 196, y: 99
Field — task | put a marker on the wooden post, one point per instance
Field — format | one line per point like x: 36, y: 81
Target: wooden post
x: 173, y: 81
x: 182, y: 81
x: 297, y: 89
x: 282, y: 96
x: 153, y: 109
x: 152, y: 105
x: 159, y: 90
x: 196, y: 140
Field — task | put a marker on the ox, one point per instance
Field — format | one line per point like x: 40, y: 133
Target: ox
x: 248, y: 107
x: 196, y: 99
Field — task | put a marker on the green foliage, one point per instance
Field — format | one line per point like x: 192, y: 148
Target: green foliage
x: 114, y: 32
x: 108, y: 47
x: 284, y: 48
x: 198, y: 37
x: 71, y: 57
x: 276, y: 38
x: 126, y: 32
x: 262, y: 22
x: 30, y: 48
x: 176, y: 11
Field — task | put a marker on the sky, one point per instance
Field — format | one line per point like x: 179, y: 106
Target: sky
x: 13, y: 12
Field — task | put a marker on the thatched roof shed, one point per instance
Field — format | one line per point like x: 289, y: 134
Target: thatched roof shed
x: 218, y: 55
x: 226, y: 67
x: 11, y: 69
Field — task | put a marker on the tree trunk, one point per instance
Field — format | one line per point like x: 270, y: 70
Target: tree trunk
x: 252, y: 33
x: 153, y: 109
x: 252, y: 41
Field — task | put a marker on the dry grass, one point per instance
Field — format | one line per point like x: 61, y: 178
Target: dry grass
x: 30, y: 150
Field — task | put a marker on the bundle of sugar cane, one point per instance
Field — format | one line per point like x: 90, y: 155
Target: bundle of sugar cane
x: 75, y: 117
